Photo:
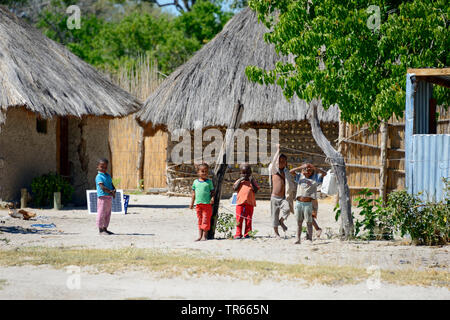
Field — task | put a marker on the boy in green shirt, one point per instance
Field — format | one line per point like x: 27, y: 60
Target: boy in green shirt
x: 203, y: 196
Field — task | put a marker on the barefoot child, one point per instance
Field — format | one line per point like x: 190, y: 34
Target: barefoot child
x: 318, y: 177
x: 105, y: 193
x: 278, y: 202
x: 306, y: 194
x: 246, y: 188
x: 203, y: 195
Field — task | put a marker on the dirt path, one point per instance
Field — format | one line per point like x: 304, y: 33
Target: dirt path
x: 166, y: 223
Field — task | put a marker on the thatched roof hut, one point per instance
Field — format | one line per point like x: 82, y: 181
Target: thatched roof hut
x: 46, y: 78
x: 203, y: 91
x: 55, y: 111
x: 207, y: 86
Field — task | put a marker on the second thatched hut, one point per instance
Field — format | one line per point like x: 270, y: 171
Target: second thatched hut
x: 203, y: 91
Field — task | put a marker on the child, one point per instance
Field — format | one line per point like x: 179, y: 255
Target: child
x: 306, y: 194
x: 278, y: 202
x: 246, y: 188
x: 318, y: 177
x: 105, y: 192
x: 203, y: 195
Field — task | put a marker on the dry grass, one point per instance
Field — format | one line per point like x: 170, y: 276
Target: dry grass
x: 181, y: 264
x: 2, y: 283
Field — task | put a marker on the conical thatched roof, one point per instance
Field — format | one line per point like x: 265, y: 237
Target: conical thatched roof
x: 206, y: 87
x: 46, y: 78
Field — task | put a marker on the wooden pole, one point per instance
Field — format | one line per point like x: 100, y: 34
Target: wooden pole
x: 23, y: 197
x: 57, y: 200
x: 338, y: 163
x: 221, y: 164
x: 340, y: 147
x: 383, y: 159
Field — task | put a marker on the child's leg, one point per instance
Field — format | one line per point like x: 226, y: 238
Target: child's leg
x: 275, y: 214
x: 307, y: 210
x: 108, y: 208
x: 299, y: 231
x: 103, y: 208
x: 206, y: 220
x: 298, y: 213
x: 248, y: 219
x: 240, y: 209
x: 199, y: 222
x: 284, y: 211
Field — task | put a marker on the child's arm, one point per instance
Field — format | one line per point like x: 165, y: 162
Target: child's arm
x: 191, y: 206
x: 106, y: 190
x: 114, y: 190
x: 212, y: 196
x: 315, y: 206
x: 255, y: 186
x: 275, y: 164
x: 292, y: 171
x: 237, y: 184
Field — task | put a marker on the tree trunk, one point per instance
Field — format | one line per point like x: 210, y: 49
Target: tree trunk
x: 384, y: 130
x: 338, y: 164
x: 221, y: 164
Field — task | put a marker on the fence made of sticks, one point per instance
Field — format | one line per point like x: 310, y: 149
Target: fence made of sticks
x: 376, y: 159
x: 138, y: 160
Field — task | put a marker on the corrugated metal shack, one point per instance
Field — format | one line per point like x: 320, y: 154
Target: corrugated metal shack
x: 427, y: 154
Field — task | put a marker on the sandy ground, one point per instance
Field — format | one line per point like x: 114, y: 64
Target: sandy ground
x: 156, y: 221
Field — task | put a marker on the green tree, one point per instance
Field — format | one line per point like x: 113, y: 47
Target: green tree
x: 110, y: 42
x: 204, y: 21
x: 347, y: 55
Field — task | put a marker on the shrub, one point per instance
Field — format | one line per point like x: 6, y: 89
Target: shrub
x: 44, y: 186
x: 225, y: 224
x: 426, y: 222
x: 375, y: 220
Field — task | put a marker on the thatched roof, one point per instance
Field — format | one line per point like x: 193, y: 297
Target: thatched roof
x: 206, y: 87
x: 46, y: 78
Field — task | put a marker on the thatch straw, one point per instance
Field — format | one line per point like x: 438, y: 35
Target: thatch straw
x: 205, y: 89
x: 46, y: 78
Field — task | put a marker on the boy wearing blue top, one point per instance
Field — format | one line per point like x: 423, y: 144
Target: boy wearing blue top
x: 105, y: 193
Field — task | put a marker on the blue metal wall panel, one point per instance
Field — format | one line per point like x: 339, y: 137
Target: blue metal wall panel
x: 427, y: 156
x: 431, y: 162
x: 409, y: 125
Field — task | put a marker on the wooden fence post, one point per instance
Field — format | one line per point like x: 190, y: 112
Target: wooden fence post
x: 383, y: 159
x: 339, y: 147
x: 221, y: 164
x: 23, y: 197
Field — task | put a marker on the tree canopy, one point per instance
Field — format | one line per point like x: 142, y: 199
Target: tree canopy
x: 115, y: 33
x: 344, y: 53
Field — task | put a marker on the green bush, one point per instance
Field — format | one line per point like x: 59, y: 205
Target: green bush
x: 226, y: 223
x: 426, y: 222
x: 375, y: 220
x: 44, y: 186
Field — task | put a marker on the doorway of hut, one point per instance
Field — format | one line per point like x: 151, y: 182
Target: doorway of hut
x: 62, y: 147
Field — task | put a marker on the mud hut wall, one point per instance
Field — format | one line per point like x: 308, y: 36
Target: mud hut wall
x: 24, y: 153
x: 88, y: 142
x: 293, y: 135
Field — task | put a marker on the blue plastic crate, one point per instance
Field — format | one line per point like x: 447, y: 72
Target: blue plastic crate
x: 126, y: 199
